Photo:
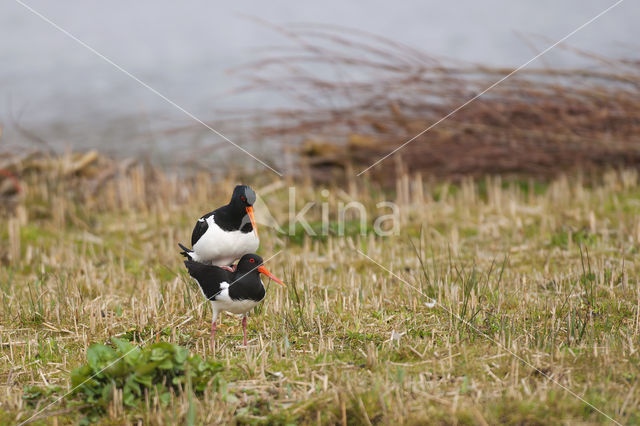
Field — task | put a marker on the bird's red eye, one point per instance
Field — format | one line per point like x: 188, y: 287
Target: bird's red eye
x: 252, y: 260
x: 243, y: 198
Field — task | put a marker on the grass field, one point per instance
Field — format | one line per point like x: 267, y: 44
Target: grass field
x: 535, y: 321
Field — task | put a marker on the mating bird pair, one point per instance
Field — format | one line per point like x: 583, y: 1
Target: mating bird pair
x: 218, y: 239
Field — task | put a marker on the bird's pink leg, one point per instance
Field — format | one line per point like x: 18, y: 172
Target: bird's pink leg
x: 213, y: 335
x: 230, y: 268
x: 244, y: 329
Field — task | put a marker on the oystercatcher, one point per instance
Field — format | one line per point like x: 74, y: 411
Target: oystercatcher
x: 236, y: 291
x: 227, y: 233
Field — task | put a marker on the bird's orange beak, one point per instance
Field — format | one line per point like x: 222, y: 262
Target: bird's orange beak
x: 265, y: 271
x: 253, y: 220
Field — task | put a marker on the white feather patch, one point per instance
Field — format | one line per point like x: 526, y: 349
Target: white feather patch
x: 225, y: 303
x: 221, y: 248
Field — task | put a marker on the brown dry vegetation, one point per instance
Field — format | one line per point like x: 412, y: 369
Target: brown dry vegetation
x: 356, y: 97
x: 545, y: 272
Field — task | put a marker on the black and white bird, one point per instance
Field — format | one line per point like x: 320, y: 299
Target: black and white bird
x: 227, y: 233
x: 237, y: 291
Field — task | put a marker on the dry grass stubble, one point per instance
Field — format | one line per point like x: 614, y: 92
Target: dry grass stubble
x: 548, y: 271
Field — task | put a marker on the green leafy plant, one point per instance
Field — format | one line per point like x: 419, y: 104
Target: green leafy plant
x: 32, y: 394
x: 134, y: 370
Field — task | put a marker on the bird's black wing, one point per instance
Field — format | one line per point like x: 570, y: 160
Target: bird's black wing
x: 200, y: 228
x: 209, y: 277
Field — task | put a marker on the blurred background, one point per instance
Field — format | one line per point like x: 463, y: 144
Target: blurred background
x: 519, y: 214
x: 330, y: 85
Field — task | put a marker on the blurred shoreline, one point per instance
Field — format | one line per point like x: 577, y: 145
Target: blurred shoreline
x: 61, y: 92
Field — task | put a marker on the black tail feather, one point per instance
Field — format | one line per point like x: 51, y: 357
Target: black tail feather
x: 187, y: 252
x: 208, y: 277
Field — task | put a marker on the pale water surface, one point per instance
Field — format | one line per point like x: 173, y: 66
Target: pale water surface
x: 64, y: 93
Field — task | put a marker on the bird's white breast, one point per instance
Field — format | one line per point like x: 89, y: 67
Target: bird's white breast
x: 221, y: 248
x: 225, y: 303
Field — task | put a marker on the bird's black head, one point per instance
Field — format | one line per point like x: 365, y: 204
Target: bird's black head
x: 252, y: 262
x: 249, y: 262
x: 243, y: 196
x: 242, y: 202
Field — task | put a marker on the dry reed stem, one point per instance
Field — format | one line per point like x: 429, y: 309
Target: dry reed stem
x: 353, y: 97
